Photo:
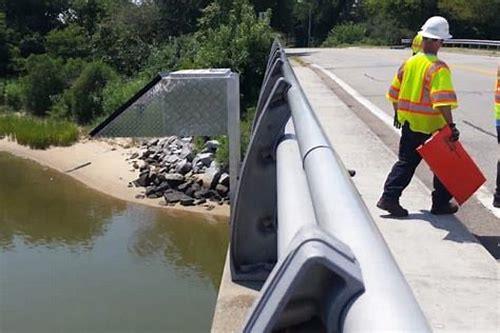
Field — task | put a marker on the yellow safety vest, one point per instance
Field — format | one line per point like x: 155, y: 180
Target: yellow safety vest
x: 416, y: 44
x: 422, y: 84
x: 497, y: 99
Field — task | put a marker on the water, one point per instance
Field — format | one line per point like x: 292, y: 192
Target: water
x: 75, y: 260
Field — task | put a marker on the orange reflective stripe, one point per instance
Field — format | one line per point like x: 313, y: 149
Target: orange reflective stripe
x: 401, y: 71
x: 423, y: 108
x: 417, y: 103
x: 436, y: 67
x: 433, y: 69
x: 393, y: 92
x: 426, y: 87
x: 443, y: 95
x: 445, y: 101
x: 426, y: 113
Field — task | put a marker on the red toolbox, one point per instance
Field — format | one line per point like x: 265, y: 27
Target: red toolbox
x: 452, y: 165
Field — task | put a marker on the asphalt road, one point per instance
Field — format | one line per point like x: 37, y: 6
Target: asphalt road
x: 370, y: 71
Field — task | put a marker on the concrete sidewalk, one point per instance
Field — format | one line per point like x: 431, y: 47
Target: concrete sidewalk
x: 454, y: 279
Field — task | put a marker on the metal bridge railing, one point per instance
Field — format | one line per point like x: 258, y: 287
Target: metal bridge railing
x: 463, y: 42
x: 299, y: 224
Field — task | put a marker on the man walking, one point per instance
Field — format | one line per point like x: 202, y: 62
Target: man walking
x: 416, y: 43
x: 423, y: 96
x: 496, y: 198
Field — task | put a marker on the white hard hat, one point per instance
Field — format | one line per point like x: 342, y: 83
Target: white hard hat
x: 436, y: 28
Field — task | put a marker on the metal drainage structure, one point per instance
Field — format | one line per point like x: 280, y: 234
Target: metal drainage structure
x: 299, y: 224
x: 196, y: 102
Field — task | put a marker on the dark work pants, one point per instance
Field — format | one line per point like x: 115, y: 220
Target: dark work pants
x: 403, y: 170
x: 497, y: 191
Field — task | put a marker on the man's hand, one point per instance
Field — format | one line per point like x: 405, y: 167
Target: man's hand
x: 455, y: 134
x: 396, y: 123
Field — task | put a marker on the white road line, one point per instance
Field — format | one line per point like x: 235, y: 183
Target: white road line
x: 483, y: 195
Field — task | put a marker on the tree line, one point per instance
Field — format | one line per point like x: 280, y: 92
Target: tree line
x: 81, y: 59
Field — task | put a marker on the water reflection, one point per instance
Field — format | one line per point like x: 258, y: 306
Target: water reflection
x: 75, y: 260
x: 43, y: 207
x: 182, y: 241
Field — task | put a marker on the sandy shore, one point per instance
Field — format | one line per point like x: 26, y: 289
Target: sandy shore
x: 108, y: 171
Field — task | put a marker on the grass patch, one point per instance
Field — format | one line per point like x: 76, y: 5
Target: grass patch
x: 222, y: 154
x: 299, y: 61
x: 38, y: 133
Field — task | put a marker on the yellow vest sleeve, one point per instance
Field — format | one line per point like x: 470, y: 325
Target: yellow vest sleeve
x: 393, y: 93
x: 442, y: 92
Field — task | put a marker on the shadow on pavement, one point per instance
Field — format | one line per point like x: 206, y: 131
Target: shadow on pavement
x: 492, y: 244
x: 456, y: 231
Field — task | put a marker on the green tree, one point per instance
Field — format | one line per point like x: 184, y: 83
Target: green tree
x: 324, y: 15
x: 179, y: 17
x: 118, y: 92
x: 86, y: 13
x: 409, y: 14
x: 241, y: 42
x: 61, y: 107
x: 345, y: 33
x: 34, y: 15
x: 33, y: 43
x: 125, y: 38
x: 42, y: 82
x: 281, y: 13
x: 170, y: 56
x: 86, y: 94
x: 472, y: 19
x: 69, y: 42
x: 4, y: 48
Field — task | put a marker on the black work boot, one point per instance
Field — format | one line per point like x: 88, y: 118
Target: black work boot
x: 444, y: 209
x: 496, y: 200
x: 392, y: 206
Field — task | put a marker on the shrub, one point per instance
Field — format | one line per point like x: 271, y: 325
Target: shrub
x: 171, y: 56
x: 386, y: 30
x: 61, y: 109
x: 41, y: 83
x: 345, y: 33
x: 86, y: 94
x: 246, y: 129
x: 199, y: 143
x: 118, y: 92
x: 38, y: 133
x: 13, y: 92
x: 72, y: 70
x: 222, y: 154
